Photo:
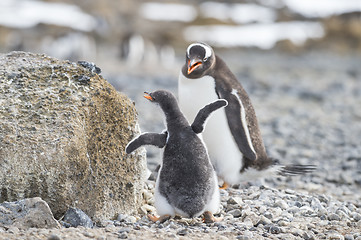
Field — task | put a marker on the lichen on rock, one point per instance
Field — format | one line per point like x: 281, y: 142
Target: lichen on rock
x: 63, y: 130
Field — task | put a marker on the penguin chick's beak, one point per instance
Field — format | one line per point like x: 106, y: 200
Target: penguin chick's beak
x: 193, y: 64
x: 147, y: 96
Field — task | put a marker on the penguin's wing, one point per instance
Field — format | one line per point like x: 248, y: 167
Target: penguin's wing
x: 155, y: 139
x: 203, y: 114
x: 236, y: 117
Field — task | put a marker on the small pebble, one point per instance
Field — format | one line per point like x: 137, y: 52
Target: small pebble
x: 274, y: 230
x: 248, y: 223
x: 308, y: 236
x: 54, y: 237
x: 349, y: 237
x: 13, y: 230
x: 182, y: 232
x: 123, y: 236
x: 264, y: 221
x: 336, y: 236
x: 268, y: 215
x: 125, y: 229
x: 235, y: 200
x: 283, y: 223
x: 334, y: 217
x: 235, y: 213
x: 356, y: 216
x: 242, y: 237
x: 76, y: 217
x: 89, y: 234
x: 282, y: 204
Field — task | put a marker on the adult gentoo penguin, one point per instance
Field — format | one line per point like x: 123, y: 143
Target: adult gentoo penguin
x: 187, y: 184
x: 232, y: 135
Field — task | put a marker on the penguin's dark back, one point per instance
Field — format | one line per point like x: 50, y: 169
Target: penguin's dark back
x: 251, y: 117
x: 186, y: 174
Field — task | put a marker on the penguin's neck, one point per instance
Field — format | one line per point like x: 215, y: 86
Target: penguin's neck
x: 175, y: 118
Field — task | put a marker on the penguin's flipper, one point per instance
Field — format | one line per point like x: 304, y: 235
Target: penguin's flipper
x: 155, y: 139
x: 237, y: 121
x: 205, y: 112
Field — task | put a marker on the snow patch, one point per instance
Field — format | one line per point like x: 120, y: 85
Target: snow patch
x: 29, y: 13
x: 323, y: 8
x: 168, y: 12
x: 262, y: 35
x: 239, y: 13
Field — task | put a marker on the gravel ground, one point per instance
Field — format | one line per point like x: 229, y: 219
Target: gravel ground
x: 309, y: 111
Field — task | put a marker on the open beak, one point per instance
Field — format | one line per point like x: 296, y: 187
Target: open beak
x: 193, y: 65
x: 147, y: 96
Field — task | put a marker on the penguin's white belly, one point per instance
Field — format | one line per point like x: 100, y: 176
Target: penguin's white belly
x: 226, y: 158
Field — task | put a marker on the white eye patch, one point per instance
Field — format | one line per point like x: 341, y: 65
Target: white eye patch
x: 207, y: 49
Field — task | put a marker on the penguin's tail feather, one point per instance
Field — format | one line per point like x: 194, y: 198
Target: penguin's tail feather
x: 296, y: 169
x: 292, y: 169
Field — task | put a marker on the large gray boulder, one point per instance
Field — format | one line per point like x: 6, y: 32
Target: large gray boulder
x: 63, y: 130
x: 27, y: 213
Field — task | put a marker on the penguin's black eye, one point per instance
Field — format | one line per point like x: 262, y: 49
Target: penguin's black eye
x: 205, y: 59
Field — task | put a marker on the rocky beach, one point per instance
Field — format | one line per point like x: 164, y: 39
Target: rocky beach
x: 307, y: 105
x: 299, y: 63
x: 308, y: 109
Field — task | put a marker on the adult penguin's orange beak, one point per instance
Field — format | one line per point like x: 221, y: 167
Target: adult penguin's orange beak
x: 193, y: 65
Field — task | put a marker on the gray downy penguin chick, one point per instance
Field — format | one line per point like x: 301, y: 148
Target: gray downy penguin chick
x: 232, y: 135
x: 187, y: 183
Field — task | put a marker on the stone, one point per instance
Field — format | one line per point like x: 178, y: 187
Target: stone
x: 336, y: 236
x: 247, y: 235
x: 264, y: 221
x: 293, y: 209
x: 235, y: 200
x: 89, y: 234
x: 146, y: 208
x: 13, y: 230
x: 54, y: 237
x: 254, y: 218
x: 268, y: 215
x: 182, y: 232
x: 27, y: 213
x: 356, y: 216
x: 63, y: 131
x: 248, y: 223
x: 349, y: 237
x: 281, y: 203
x: 308, y: 236
x: 296, y: 231
x: 274, y: 230
x: 235, y: 213
x: 125, y: 229
x: 241, y: 237
x: 334, y: 217
x: 262, y: 209
x: 283, y: 223
x: 76, y: 217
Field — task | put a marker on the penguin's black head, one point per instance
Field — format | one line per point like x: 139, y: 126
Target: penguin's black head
x: 199, y: 58
x: 164, y: 98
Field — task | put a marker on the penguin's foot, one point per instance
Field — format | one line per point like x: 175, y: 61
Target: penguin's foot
x: 224, y: 186
x: 161, y: 219
x: 209, y: 218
